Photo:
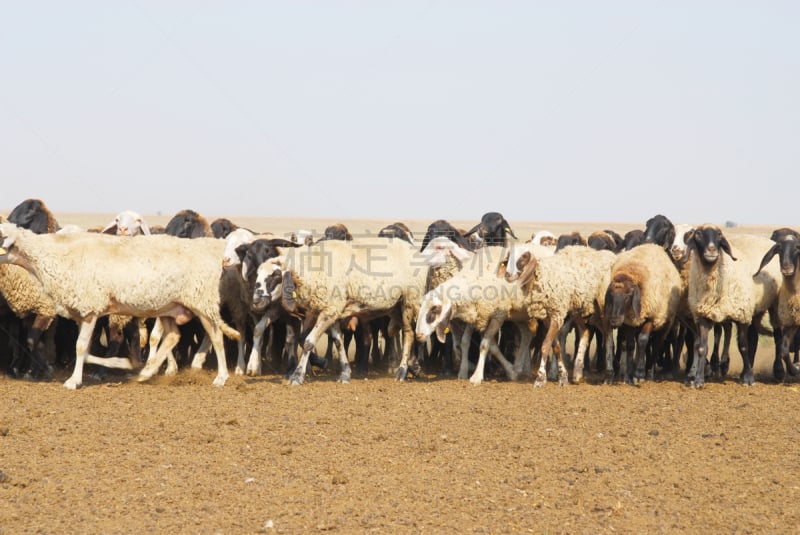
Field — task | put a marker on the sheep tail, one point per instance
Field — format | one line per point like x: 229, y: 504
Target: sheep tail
x: 229, y: 331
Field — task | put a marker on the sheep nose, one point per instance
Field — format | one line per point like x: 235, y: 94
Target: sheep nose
x: 420, y: 337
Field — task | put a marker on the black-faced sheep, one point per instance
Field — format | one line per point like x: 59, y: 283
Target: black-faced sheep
x: 221, y: 227
x: 570, y: 238
x: 443, y: 229
x: 722, y: 287
x: 492, y: 230
x: 188, y: 224
x: 34, y: 215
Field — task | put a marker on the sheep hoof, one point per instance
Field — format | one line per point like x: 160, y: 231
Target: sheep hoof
x: 144, y: 375
x: 778, y: 372
x: 748, y: 379
x: 541, y: 380
x: 563, y: 380
x: 295, y: 380
x: 72, y: 384
x: 171, y: 371
x: 609, y: 379
x: 475, y: 380
x: 238, y: 371
x: 220, y: 381
x: 401, y: 373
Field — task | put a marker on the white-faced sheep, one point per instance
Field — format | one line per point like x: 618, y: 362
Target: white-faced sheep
x: 644, y: 293
x: 127, y: 223
x: 334, y: 280
x: 479, y: 297
x: 565, y: 284
x: 90, y: 275
x: 722, y: 288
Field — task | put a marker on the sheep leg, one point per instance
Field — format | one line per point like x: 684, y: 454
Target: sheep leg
x: 580, y: 354
x: 202, y: 352
x: 548, y: 351
x: 254, y: 362
x: 40, y: 325
x: 335, y: 333
x: 553, y: 372
x: 696, y: 377
x: 323, y: 323
x: 466, y: 338
x: 215, y: 333
x: 725, y: 355
x: 408, y: 342
x: 522, y: 359
x: 714, y: 359
x: 786, y: 343
x: 488, y: 339
x: 169, y: 338
x: 81, y: 352
x: 155, y: 339
x: 508, y: 366
x: 641, y: 345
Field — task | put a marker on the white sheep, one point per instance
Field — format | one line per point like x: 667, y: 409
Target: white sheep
x: 644, y: 293
x: 127, y: 223
x: 479, y: 297
x: 562, y: 285
x: 722, y: 287
x: 334, y: 280
x: 90, y: 275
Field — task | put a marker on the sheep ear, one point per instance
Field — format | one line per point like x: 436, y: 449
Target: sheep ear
x: 145, y: 229
x: 767, y: 257
x: 444, y: 320
x: 473, y: 230
x: 507, y: 229
x: 725, y: 246
x: 288, y: 293
x: 111, y: 228
x: 528, y: 270
x: 636, y: 302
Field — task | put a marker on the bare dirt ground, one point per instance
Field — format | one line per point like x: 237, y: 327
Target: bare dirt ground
x: 434, y: 455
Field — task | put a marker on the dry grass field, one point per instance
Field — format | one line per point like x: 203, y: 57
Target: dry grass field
x: 433, y: 455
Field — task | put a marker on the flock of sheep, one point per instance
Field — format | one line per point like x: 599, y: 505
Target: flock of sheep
x: 643, y: 297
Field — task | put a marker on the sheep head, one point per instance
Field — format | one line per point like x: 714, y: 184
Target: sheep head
x: 659, y: 230
x: 707, y: 241
x: 269, y: 284
x: 435, y: 313
x: 127, y: 223
x: 622, y: 296
x: 788, y: 251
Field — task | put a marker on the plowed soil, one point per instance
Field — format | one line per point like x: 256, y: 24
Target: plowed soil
x: 433, y: 455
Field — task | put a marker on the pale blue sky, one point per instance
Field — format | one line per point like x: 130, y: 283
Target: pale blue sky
x: 544, y: 111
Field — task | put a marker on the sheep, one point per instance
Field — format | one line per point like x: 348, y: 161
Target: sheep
x: 334, y: 280
x: 34, y: 215
x: 222, y: 227
x: 601, y: 241
x: 398, y: 230
x: 722, y: 287
x: 644, y: 293
x: 89, y: 275
x: 544, y: 237
x: 787, y: 248
x: 632, y: 238
x: 127, y: 223
x: 571, y: 238
x: 492, y: 230
x: 479, y: 297
x: 188, y: 224
x: 442, y: 228
x: 565, y: 284
x: 659, y: 230
x: 24, y: 295
x: 336, y: 232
